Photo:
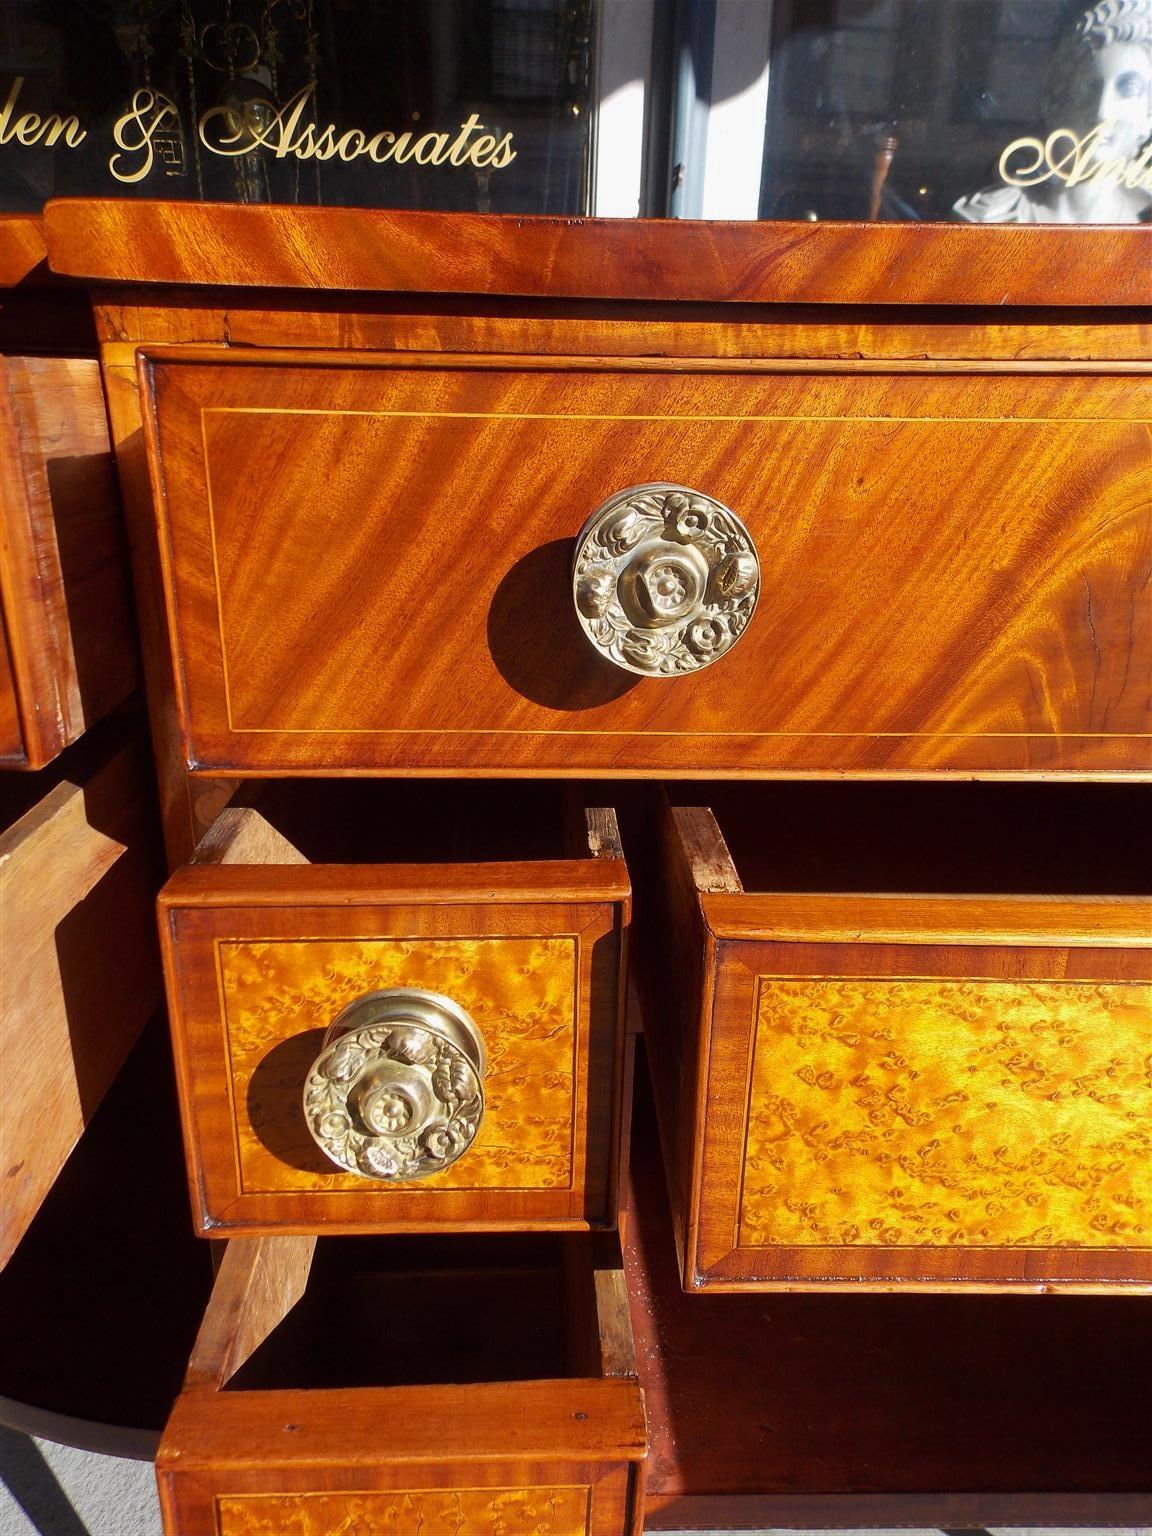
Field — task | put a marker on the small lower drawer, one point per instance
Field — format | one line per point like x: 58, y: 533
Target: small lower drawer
x: 410, y: 1386
x: 941, y: 1082
x: 428, y: 1043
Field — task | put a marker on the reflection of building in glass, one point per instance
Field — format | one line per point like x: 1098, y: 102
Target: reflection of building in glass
x: 897, y: 108
x: 1092, y: 164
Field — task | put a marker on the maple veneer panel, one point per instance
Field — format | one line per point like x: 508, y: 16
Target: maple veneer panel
x: 902, y: 1090
x: 261, y: 959
x: 958, y: 1412
x: 368, y: 566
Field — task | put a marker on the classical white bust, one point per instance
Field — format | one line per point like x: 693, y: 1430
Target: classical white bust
x: 1094, y: 164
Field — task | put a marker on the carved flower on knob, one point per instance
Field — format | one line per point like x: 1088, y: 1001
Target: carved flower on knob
x: 334, y: 1126
x: 344, y: 1062
x: 667, y: 587
x: 708, y: 637
x: 411, y: 1045
x: 444, y: 1141
x: 735, y: 576
x: 391, y: 1113
x: 685, y: 520
x: 376, y: 1158
x: 644, y: 650
x: 595, y: 592
x: 623, y: 533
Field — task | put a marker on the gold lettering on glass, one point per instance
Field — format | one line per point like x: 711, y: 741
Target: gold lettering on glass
x: 136, y: 132
x: 148, y: 134
x: 30, y: 128
x: 283, y: 130
x: 1074, y: 159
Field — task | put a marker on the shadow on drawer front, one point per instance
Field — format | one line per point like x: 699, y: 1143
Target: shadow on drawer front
x: 427, y: 1043
x: 904, y: 1040
x: 420, y: 1385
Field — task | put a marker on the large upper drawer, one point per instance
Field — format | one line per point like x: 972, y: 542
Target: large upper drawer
x: 369, y: 565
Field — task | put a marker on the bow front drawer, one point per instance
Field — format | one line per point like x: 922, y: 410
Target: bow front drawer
x: 432, y: 563
x: 472, y: 1388
x: 428, y: 1043
x: 942, y: 1081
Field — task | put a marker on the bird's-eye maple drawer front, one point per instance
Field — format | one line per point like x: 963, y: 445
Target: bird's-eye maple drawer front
x: 902, y: 1089
x: 313, y: 1403
x: 369, y: 566
x: 396, y: 1047
x: 67, y: 647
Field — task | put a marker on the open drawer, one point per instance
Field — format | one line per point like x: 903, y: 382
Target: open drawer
x: 463, y: 1386
x: 428, y: 1043
x: 943, y: 1081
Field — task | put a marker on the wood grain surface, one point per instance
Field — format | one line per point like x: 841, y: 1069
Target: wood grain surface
x: 954, y: 1412
x: 561, y: 1456
x: 79, y: 963
x: 259, y: 1281
x: 989, y: 617
x: 260, y: 959
x: 353, y: 323
x: 22, y: 247
x: 64, y: 560
x: 895, y: 1091
x: 399, y: 250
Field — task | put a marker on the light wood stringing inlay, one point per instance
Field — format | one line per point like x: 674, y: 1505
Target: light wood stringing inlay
x: 522, y: 993
x: 976, y: 1113
x: 419, y: 1512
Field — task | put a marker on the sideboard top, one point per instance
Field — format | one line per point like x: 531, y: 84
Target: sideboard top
x: 405, y: 251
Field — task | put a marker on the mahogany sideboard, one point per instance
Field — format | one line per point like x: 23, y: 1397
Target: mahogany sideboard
x: 631, y: 505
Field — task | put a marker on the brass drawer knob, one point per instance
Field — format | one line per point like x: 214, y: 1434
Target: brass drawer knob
x: 665, y: 579
x: 397, y: 1092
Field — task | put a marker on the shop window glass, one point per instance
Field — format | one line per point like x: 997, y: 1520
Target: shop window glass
x: 445, y: 104
x: 990, y: 111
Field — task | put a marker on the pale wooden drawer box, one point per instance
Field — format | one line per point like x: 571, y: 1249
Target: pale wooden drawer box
x: 78, y: 955
x: 942, y: 1081
x: 368, y: 563
x: 436, y: 1385
x: 475, y: 1082
x: 67, y: 641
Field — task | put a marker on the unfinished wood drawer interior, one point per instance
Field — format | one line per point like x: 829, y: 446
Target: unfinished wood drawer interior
x: 456, y: 1385
x: 78, y: 955
x: 900, y: 1035
x: 419, y: 1029
x: 67, y: 641
x: 369, y: 564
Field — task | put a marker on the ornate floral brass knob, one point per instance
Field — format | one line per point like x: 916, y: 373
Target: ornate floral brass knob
x: 665, y: 579
x: 397, y: 1092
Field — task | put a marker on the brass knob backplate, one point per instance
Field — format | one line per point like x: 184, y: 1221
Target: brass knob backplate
x: 665, y: 579
x: 397, y: 1091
